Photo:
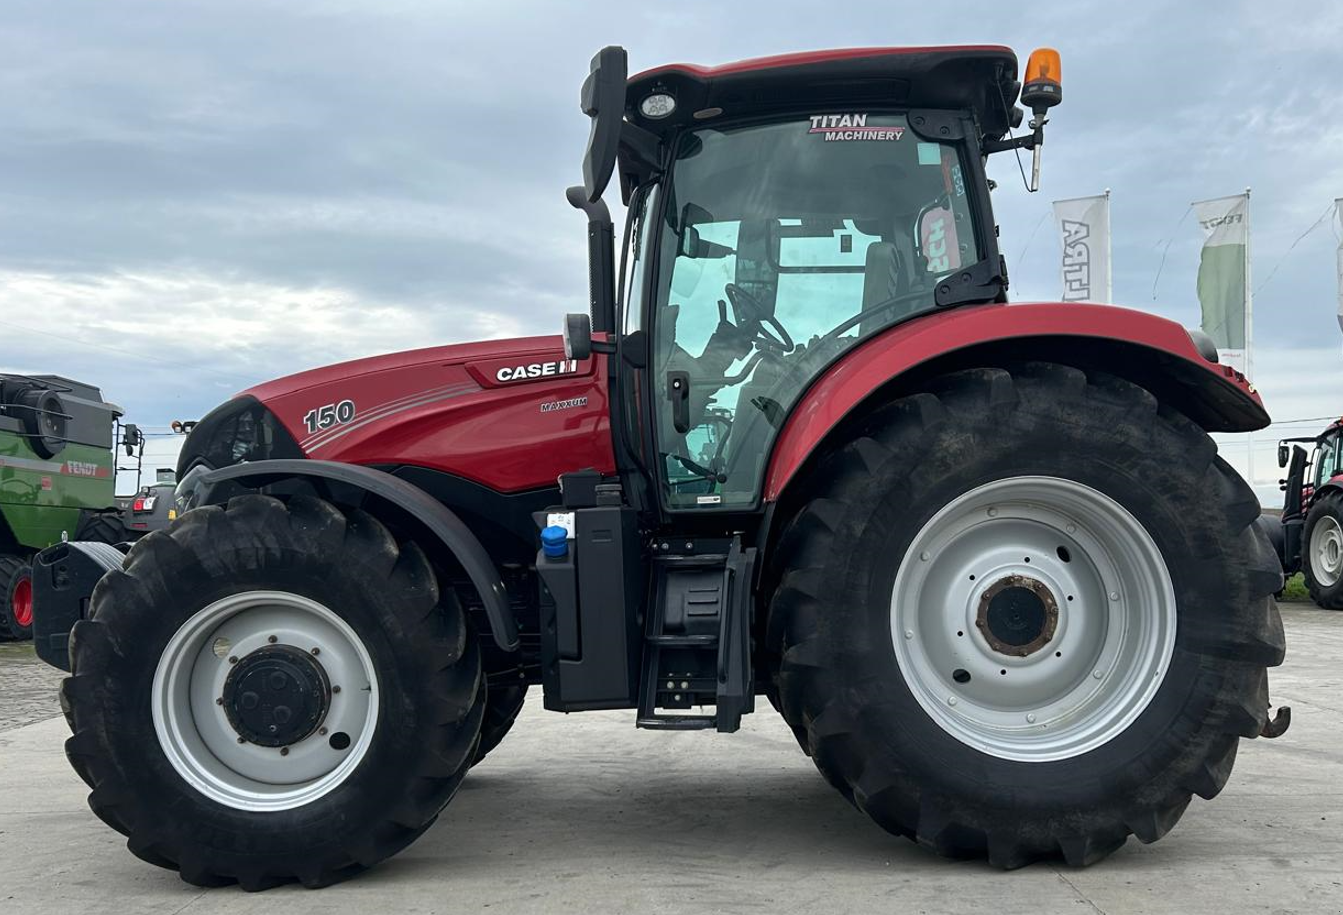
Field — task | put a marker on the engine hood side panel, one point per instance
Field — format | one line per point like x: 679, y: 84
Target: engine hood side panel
x: 511, y: 415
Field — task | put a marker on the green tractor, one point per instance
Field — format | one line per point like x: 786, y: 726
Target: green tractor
x: 57, y: 480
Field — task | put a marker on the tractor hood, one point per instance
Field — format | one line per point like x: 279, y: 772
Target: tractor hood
x: 508, y: 414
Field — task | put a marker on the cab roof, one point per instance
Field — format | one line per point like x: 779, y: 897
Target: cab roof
x: 963, y: 76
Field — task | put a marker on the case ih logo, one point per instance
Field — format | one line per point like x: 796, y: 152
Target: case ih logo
x: 536, y: 370
x: 851, y: 127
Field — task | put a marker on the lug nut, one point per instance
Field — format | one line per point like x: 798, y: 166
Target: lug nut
x: 316, y: 651
x: 219, y: 701
x: 284, y: 751
x: 272, y: 639
x: 335, y: 689
x: 233, y: 659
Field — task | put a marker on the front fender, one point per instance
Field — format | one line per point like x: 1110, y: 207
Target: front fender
x: 215, y: 486
x: 1144, y: 348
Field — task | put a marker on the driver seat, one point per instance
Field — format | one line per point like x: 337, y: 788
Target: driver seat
x: 884, y: 278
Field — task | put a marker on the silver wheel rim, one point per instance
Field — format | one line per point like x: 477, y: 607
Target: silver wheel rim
x: 1111, y: 638
x: 1326, y: 550
x: 194, y: 730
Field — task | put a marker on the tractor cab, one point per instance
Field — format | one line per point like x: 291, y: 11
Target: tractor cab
x: 782, y: 211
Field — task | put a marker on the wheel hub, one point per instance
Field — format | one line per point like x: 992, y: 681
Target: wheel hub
x: 276, y: 696
x: 1326, y: 542
x: 22, y: 602
x: 1017, y: 615
x: 1033, y: 618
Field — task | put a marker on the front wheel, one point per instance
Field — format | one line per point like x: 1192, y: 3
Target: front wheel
x: 16, y: 598
x: 1322, y: 557
x: 1026, y: 614
x: 271, y: 692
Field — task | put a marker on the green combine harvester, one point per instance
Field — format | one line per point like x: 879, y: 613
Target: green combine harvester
x: 58, y: 479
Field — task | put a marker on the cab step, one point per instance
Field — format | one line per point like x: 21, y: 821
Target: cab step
x: 697, y: 639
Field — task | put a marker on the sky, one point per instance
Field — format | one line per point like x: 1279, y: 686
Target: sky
x: 198, y: 196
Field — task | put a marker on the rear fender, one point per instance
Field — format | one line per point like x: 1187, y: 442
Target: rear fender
x: 437, y: 524
x: 1148, y: 350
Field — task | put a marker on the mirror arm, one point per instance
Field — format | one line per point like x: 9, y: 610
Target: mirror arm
x: 601, y: 260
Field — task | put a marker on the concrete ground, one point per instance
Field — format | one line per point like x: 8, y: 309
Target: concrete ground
x: 589, y: 815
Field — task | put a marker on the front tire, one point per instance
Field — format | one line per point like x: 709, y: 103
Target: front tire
x: 1322, y: 553
x: 271, y: 692
x: 1043, y: 484
x: 16, y: 599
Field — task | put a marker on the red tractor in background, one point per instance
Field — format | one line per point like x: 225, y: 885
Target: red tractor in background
x: 983, y: 558
x: 1309, y: 538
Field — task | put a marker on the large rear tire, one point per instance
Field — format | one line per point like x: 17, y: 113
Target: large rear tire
x: 1026, y: 614
x: 1322, y: 551
x: 272, y: 692
x: 16, y: 599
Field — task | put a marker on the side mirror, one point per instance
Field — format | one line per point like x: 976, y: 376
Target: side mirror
x: 1282, y: 454
x: 577, y: 336
x: 603, y: 100
x: 131, y: 438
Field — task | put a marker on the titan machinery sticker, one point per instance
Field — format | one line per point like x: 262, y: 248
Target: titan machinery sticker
x: 837, y: 127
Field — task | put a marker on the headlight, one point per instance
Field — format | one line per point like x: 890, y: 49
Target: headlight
x: 242, y: 429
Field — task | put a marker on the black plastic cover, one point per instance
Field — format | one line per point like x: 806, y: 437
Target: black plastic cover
x: 63, y: 579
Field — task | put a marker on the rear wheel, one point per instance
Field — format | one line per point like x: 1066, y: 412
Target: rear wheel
x: 1322, y: 560
x: 980, y: 637
x: 16, y: 598
x: 102, y: 527
x: 271, y: 692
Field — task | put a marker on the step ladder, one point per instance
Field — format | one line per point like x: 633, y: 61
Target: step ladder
x: 697, y: 642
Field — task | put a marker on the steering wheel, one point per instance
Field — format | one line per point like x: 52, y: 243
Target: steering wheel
x: 750, y: 315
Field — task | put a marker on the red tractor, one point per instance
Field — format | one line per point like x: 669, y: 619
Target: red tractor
x: 983, y: 558
x: 1309, y: 538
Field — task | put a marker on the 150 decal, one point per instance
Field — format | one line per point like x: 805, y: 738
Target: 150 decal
x: 332, y: 414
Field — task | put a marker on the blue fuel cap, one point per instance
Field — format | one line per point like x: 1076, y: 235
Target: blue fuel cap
x: 554, y: 541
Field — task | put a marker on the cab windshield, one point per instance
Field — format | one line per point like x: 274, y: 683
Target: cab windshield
x: 782, y: 245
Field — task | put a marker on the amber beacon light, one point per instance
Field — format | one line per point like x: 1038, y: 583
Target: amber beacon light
x: 1043, y: 87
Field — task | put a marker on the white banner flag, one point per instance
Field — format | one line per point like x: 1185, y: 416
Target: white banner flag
x: 1084, y: 224
x: 1223, y: 272
x: 1338, y: 213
